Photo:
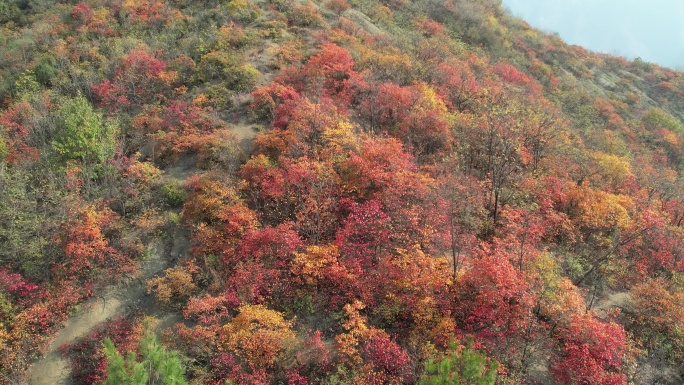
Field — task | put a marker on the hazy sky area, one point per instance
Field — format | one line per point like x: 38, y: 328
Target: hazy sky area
x: 650, y: 29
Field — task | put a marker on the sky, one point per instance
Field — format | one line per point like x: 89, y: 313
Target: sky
x: 650, y: 29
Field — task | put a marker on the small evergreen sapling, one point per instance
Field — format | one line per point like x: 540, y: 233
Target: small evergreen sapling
x: 158, y: 366
x: 460, y: 365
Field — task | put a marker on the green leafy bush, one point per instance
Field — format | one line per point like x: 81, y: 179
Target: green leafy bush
x: 46, y: 70
x: 242, y: 78
x: 83, y: 134
x: 173, y: 194
x: 243, y: 10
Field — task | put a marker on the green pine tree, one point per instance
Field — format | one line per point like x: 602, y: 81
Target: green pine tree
x: 120, y: 371
x: 158, y: 366
x: 165, y: 364
x: 464, y: 367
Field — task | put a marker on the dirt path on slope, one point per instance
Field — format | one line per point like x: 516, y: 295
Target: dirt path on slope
x: 130, y: 295
x: 124, y: 298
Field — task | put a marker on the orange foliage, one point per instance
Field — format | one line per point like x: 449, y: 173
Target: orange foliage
x: 176, y: 286
x: 150, y: 12
x: 89, y: 254
x: 258, y: 336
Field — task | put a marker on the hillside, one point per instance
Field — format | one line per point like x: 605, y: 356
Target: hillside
x: 344, y: 192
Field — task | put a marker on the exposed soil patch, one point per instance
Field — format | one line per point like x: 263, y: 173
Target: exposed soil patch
x: 621, y: 300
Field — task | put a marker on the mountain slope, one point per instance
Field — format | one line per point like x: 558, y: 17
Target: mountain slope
x: 425, y: 172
